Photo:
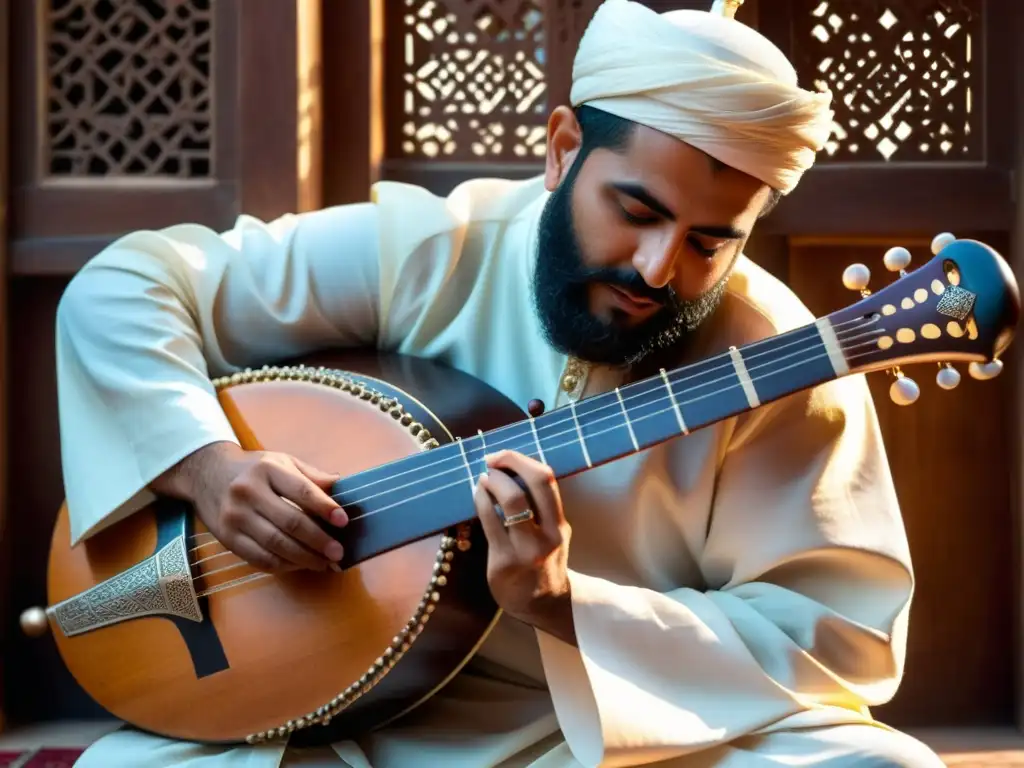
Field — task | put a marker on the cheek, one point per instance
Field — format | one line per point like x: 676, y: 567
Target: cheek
x: 696, y: 275
x: 605, y: 240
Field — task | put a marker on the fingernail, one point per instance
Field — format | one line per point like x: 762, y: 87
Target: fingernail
x: 335, y: 567
x: 334, y: 551
x: 489, y: 457
x: 338, y: 517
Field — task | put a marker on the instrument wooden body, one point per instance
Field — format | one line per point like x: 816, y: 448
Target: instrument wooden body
x: 283, y: 651
x: 320, y: 656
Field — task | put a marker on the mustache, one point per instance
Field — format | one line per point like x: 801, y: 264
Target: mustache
x: 633, y: 282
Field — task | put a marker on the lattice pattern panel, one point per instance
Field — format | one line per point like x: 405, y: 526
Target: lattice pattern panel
x: 906, y: 76
x: 471, y: 81
x: 128, y: 86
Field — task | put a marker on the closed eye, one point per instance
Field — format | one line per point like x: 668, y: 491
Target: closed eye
x: 702, y: 249
x: 637, y: 219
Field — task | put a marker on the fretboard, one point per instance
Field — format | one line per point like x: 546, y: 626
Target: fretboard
x: 428, y: 492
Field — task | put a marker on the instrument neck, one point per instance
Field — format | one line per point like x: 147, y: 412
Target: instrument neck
x: 420, y: 495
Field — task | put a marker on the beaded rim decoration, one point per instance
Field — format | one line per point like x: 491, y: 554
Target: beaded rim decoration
x: 401, y: 642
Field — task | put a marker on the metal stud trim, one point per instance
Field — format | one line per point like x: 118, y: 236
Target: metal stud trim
x: 401, y: 643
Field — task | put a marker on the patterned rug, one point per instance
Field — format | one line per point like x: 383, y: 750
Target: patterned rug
x: 40, y: 758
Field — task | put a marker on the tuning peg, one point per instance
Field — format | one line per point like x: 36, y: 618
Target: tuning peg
x: 897, y: 260
x: 941, y: 240
x: 985, y: 371
x: 904, y: 391
x: 856, y: 278
x: 34, y: 622
x: 948, y: 377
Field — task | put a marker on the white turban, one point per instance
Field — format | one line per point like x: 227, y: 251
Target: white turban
x: 708, y: 80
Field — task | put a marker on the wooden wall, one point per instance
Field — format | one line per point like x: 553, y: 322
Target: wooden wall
x: 952, y: 459
x: 906, y: 163
x: 270, y: 137
x: 178, y: 152
x: 1015, y: 412
x: 948, y: 169
x: 4, y: 539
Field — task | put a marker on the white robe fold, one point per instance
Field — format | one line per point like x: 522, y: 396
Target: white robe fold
x: 731, y: 589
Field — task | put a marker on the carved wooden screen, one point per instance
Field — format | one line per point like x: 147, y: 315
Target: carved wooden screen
x: 140, y: 106
x: 116, y: 129
x: 907, y: 78
x: 132, y: 118
x: 918, y: 84
x: 129, y: 115
x: 469, y: 84
x: 919, y: 135
x: 465, y: 89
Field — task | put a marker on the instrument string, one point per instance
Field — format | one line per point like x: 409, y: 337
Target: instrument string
x: 567, y: 428
x: 458, y: 466
x: 528, y: 447
x: 234, y: 583
x: 681, y: 377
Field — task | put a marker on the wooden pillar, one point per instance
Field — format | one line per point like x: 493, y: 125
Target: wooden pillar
x: 241, y: 112
x: 1015, y: 21
x: 281, y: 108
x: 5, y: 579
x: 352, y: 40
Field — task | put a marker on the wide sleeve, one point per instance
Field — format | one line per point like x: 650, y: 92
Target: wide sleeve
x: 808, y: 589
x: 146, y: 323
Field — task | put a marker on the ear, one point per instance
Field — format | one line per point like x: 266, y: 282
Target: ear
x: 564, y: 140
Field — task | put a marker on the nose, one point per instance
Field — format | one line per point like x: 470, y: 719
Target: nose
x: 656, y: 262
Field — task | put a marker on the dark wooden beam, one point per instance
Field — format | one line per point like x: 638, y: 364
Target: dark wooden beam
x: 913, y: 198
x: 5, y: 576
x: 280, y: 102
x: 1014, y: 22
x: 352, y: 69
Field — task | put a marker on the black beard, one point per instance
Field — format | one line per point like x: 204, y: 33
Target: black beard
x: 560, y: 283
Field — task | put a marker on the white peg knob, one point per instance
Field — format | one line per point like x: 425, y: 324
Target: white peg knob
x: 856, y: 277
x: 896, y: 259
x: 34, y: 622
x: 904, y: 391
x: 948, y: 377
x: 941, y: 240
x: 985, y: 371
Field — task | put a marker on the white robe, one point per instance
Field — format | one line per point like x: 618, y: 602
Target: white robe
x: 740, y: 594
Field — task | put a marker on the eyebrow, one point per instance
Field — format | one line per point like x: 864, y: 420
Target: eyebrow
x: 720, y: 233
x: 639, y: 193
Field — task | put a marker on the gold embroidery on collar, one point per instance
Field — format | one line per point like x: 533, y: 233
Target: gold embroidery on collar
x: 573, y: 377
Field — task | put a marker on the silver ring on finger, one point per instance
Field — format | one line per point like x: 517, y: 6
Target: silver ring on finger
x: 520, y: 517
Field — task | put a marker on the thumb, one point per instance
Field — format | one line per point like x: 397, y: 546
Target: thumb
x: 322, y: 478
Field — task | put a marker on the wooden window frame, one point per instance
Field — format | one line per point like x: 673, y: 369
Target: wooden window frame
x: 866, y: 199
x: 259, y: 136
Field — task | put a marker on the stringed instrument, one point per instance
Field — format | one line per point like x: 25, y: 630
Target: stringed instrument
x: 169, y: 631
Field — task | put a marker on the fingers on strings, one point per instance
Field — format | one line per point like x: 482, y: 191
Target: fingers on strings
x: 500, y: 496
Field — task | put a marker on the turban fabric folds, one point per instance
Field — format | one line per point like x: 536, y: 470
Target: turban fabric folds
x: 708, y: 80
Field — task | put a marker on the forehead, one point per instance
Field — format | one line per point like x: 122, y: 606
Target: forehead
x: 689, y: 181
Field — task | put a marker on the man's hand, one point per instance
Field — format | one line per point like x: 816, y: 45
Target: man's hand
x: 527, y: 563
x: 260, y: 505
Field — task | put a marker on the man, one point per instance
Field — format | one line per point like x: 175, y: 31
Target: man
x: 737, y: 597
